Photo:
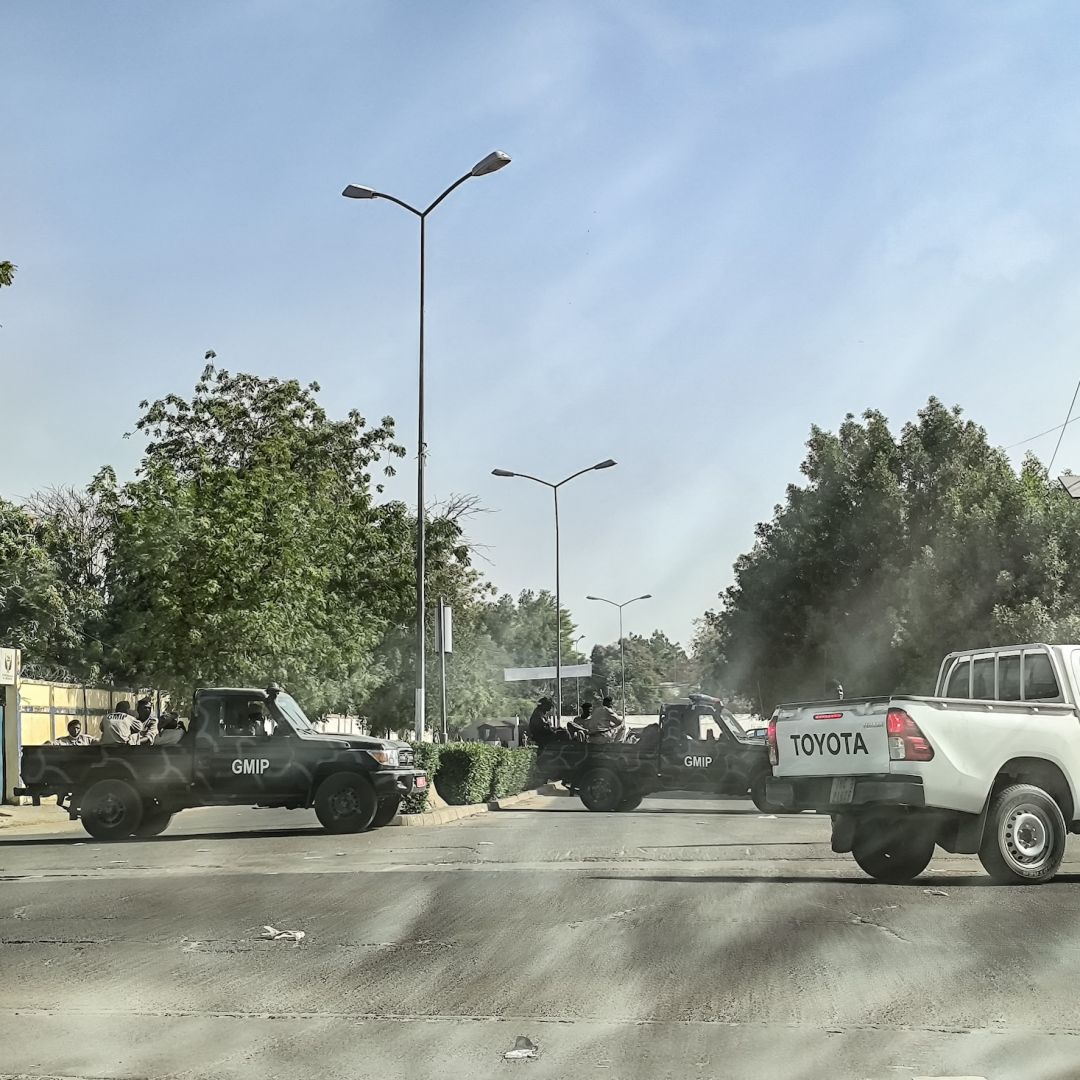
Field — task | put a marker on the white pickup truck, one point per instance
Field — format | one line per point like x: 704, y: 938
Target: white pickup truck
x: 989, y: 765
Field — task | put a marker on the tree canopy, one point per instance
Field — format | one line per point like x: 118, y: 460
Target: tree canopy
x: 896, y: 550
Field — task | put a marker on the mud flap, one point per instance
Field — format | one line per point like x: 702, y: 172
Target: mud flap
x: 843, y: 832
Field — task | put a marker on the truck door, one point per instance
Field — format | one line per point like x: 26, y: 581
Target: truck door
x: 691, y: 751
x: 233, y: 765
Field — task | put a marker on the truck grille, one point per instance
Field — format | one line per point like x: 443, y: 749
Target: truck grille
x: 406, y: 759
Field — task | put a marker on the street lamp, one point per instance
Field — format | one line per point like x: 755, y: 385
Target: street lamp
x: 558, y: 595
x: 492, y: 163
x: 622, y: 645
x: 1071, y: 483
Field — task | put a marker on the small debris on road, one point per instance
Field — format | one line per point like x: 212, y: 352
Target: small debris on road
x: 935, y: 892
x: 523, y: 1048
x: 273, y: 934
x: 486, y: 843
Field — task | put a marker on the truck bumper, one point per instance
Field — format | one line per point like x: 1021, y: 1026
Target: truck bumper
x: 819, y: 793
x: 395, y: 783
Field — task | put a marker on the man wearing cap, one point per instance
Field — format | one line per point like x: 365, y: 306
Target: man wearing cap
x: 117, y: 729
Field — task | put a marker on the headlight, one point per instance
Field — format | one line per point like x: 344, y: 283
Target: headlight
x: 385, y: 756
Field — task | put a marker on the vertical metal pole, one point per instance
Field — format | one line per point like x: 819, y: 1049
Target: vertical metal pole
x: 442, y: 664
x: 558, y: 614
x: 421, y: 529
x: 622, y: 664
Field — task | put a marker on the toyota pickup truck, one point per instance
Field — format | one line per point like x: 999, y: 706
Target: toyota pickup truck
x: 352, y: 782
x: 989, y: 765
x: 697, y: 745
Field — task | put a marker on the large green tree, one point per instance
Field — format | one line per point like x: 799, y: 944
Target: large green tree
x: 896, y: 550
x: 250, y: 545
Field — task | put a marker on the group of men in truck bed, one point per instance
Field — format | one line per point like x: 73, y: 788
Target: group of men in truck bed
x: 122, y: 727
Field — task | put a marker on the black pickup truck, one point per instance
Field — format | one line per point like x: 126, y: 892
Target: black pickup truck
x: 696, y: 746
x: 353, y: 783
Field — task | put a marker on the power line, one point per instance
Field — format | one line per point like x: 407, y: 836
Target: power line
x: 1063, y: 427
x: 1048, y: 431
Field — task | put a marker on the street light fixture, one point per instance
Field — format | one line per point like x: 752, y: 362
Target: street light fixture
x: 1071, y: 483
x: 622, y: 643
x: 607, y: 463
x: 492, y: 163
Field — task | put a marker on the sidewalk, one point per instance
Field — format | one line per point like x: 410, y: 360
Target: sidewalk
x: 14, y: 817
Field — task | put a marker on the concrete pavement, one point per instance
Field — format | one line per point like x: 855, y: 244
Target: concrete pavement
x: 692, y: 938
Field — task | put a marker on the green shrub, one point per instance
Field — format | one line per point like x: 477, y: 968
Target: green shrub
x: 427, y: 758
x: 465, y: 774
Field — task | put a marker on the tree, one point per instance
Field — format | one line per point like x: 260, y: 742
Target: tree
x: 895, y: 551
x: 249, y: 546
x: 7, y: 273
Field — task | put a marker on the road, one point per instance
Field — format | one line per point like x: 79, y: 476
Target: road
x: 692, y: 938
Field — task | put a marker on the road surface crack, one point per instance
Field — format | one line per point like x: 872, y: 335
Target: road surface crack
x: 862, y: 920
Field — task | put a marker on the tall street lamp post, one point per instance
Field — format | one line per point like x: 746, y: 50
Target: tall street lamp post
x: 492, y: 163
x: 558, y: 594
x: 622, y: 642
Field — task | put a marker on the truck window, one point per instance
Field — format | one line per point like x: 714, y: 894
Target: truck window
x: 1040, y: 683
x: 1009, y: 677
x: 959, y: 680
x: 982, y: 678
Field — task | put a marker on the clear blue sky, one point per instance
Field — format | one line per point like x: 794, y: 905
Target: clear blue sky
x: 723, y: 222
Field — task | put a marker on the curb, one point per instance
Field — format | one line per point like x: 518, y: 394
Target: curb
x: 446, y: 814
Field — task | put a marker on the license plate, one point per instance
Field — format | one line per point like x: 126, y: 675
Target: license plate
x: 843, y: 787
x: 421, y: 781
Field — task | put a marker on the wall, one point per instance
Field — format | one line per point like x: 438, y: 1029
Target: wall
x: 38, y: 712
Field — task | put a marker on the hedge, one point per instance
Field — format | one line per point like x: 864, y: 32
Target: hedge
x: 465, y: 774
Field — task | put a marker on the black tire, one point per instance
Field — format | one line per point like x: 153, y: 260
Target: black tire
x: 601, y: 791
x: 757, y: 794
x: 154, y: 822
x: 111, y: 810
x: 630, y: 802
x: 894, y: 850
x: 386, y: 813
x: 345, y: 802
x: 1024, y: 839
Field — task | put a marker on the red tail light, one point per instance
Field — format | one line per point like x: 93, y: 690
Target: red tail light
x: 906, y: 741
x: 774, y: 753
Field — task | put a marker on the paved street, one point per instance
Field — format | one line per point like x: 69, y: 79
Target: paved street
x: 692, y: 938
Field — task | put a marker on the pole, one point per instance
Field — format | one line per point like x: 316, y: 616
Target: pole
x: 442, y: 665
x: 622, y: 664
x: 558, y: 615
x: 421, y: 528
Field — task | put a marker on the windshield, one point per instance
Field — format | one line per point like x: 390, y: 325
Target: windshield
x: 292, y: 712
x: 733, y: 724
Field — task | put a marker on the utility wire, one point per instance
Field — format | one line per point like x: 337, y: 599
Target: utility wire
x: 1048, y: 431
x: 1063, y: 427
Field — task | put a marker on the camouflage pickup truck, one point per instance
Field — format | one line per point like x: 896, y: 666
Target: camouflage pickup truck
x: 352, y: 782
x: 697, y: 745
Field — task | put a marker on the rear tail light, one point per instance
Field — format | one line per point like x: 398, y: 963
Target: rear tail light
x: 906, y: 741
x: 774, y: 754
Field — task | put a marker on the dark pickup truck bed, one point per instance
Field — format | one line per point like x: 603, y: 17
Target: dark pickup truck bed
x: 352, y: 782
x: 695, y: 747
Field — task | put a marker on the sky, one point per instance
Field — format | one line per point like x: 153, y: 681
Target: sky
x: 722, y: 223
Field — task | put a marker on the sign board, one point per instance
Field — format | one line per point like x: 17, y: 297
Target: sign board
x: 530, y: 674
x: 446, y: 628
x: 9, y: 666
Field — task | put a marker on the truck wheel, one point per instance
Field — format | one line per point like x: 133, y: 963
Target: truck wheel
x: 896, y: 851
x: 1024, y: 839
x: 345, y: 803
x: 154, y: 822
x: 110, y: 810
x: 757, y: 794
x: 601, y: 790
x: 388, y: 809
x: 630, y: 802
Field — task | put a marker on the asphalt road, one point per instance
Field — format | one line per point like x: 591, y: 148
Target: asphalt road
x: 691, y: 938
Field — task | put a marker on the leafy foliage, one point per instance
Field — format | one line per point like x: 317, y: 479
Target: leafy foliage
x: 7, y: 273
x: 897, y: 550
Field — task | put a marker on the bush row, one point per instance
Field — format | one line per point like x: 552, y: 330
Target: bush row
x: 468, y: 773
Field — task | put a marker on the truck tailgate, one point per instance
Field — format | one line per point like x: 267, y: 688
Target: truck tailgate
x: 831, y: 740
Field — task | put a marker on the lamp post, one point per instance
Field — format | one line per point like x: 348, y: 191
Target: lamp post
x: 622, y: 644
x: 577, y: 681
x: 558, y: 595
x: 492, y: 163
